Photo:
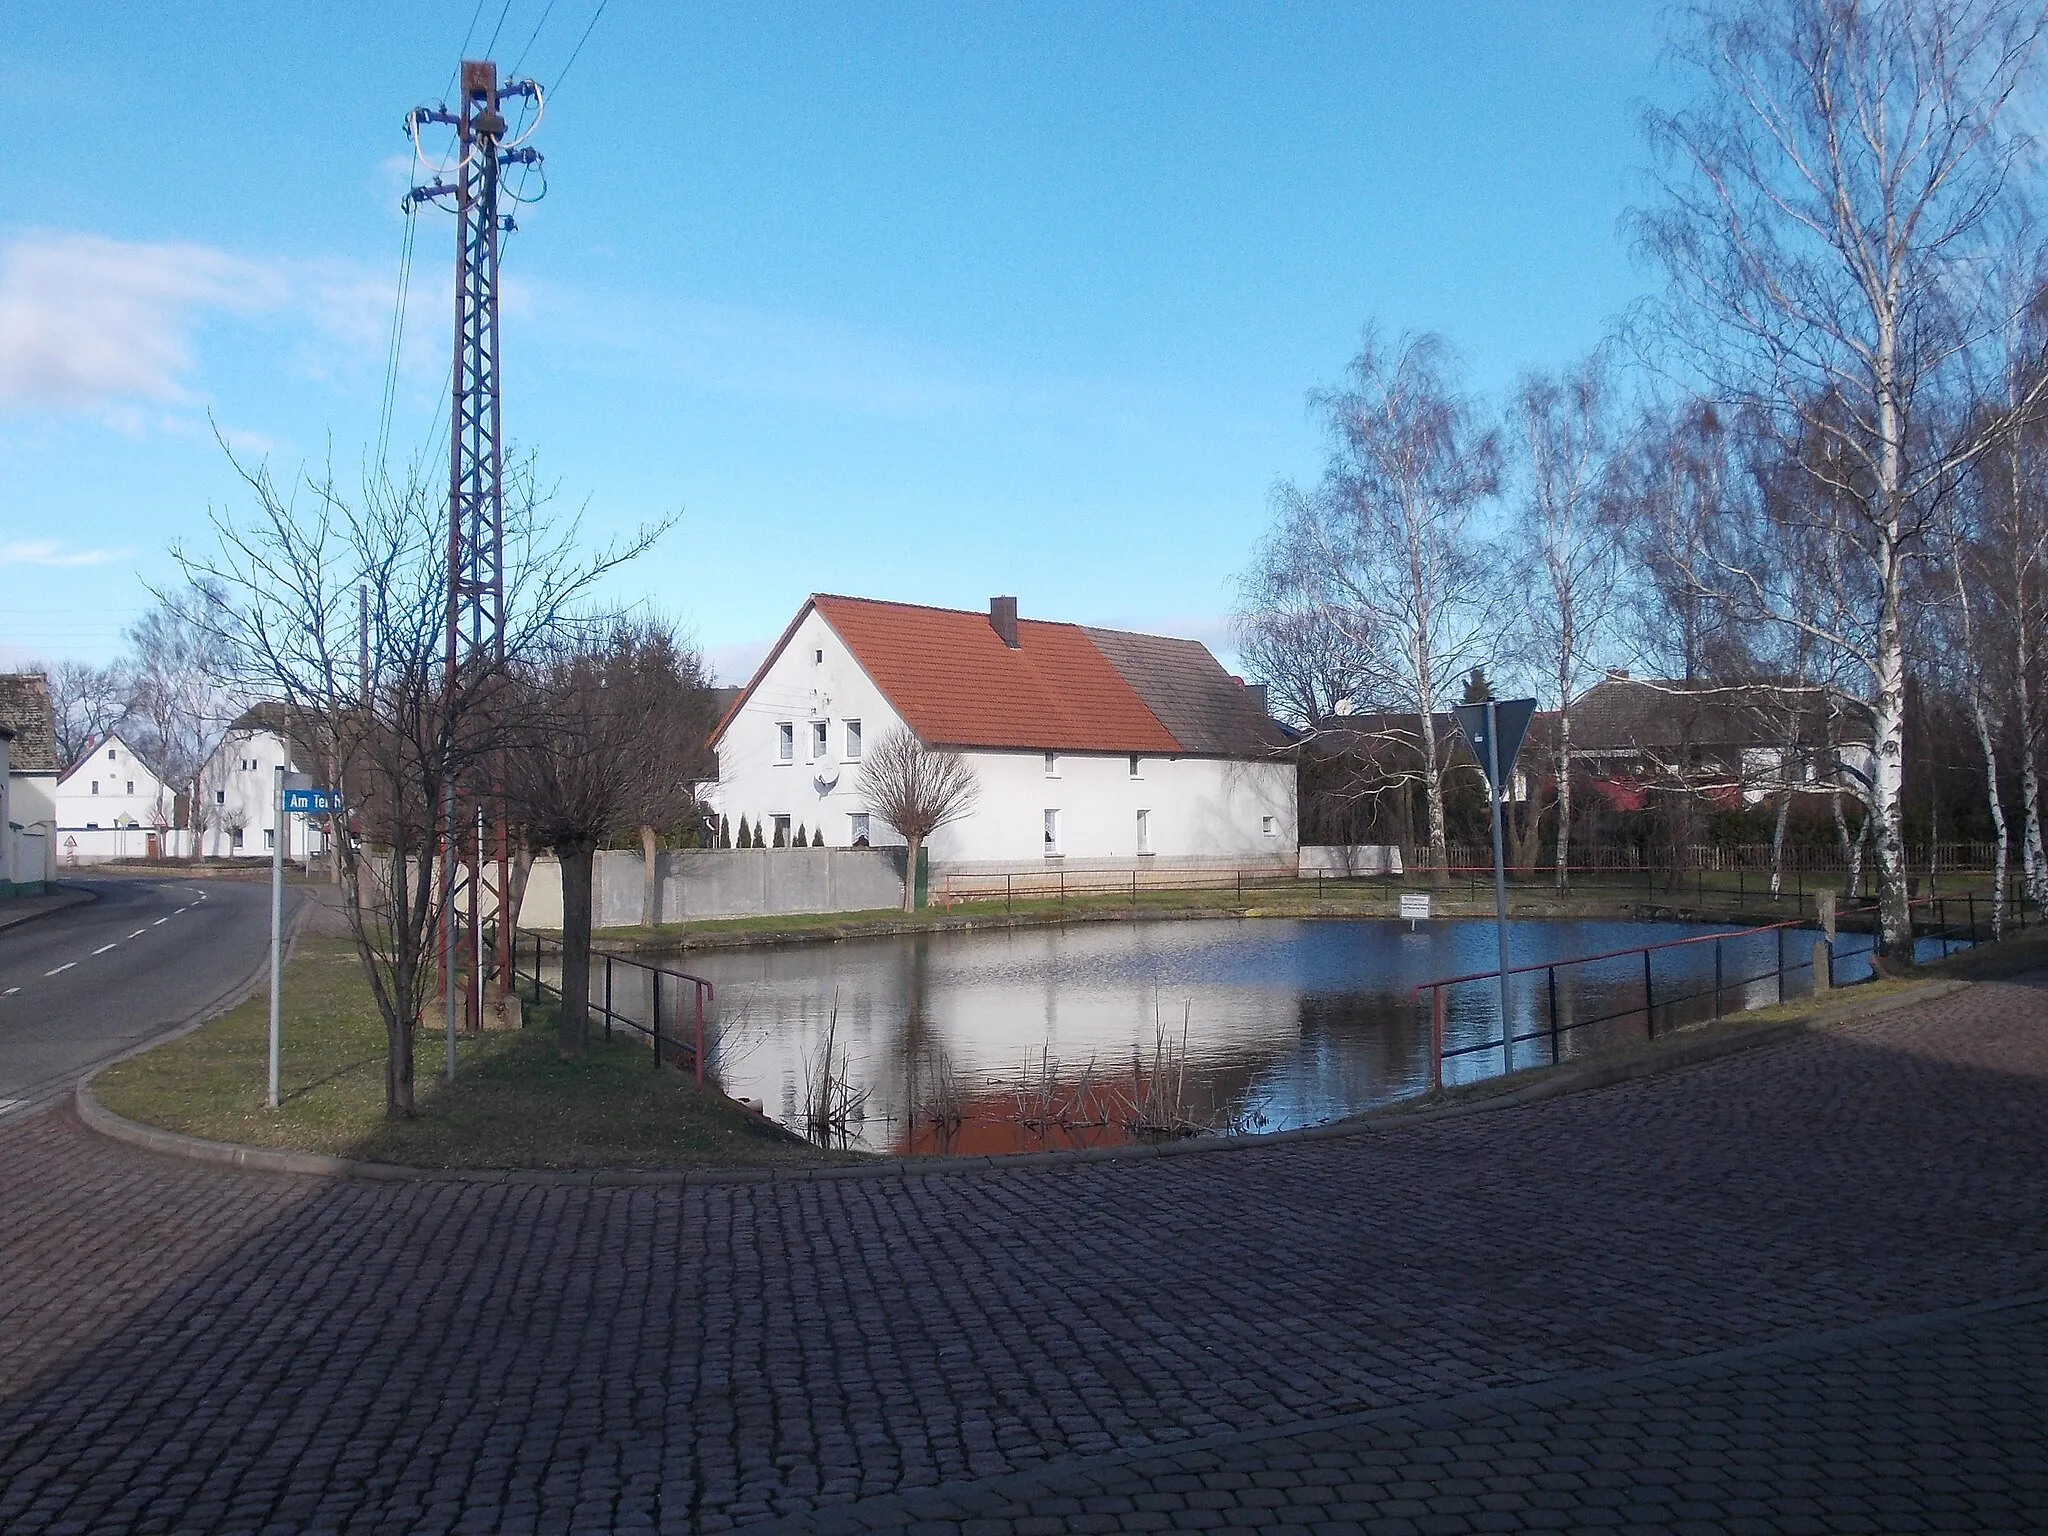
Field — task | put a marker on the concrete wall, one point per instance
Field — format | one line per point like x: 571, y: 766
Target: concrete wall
x: 698, y: 884
x: 1352, y: 859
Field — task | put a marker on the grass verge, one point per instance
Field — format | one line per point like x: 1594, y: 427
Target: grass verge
x: 515, y: 1103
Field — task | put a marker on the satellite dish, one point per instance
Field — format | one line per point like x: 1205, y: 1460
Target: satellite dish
x: 827, y: 782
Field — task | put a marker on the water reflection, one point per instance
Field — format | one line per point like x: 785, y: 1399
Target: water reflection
x: 1099, y: 1033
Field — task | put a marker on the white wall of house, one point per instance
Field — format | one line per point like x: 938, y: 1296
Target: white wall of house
x: 1195, y: 808
x: 110, y: 805
x: 240, y: 779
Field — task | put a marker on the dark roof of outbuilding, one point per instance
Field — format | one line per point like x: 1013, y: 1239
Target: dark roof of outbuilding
x: 25, y: 710
x: 1209, y: 712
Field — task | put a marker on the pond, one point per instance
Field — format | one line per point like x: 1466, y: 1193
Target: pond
x: 1093, y: 1034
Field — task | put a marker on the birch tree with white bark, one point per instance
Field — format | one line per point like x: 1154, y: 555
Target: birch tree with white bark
x: 1829, y: 205
x: 1386, y: 548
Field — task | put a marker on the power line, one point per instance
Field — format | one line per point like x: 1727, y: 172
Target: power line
x: 601, y: 4
x: 545, y: 13
x: 492, y: 45
x: 397, y: 344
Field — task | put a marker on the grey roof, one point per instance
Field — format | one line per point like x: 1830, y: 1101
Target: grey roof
x: 1620, y: 714
x: 1209, y: 712
x: 25, y: 710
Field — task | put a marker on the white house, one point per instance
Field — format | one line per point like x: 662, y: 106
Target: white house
x: 31, y: 778
x: 239, y: 787
x: 1090, y: 745
x: 112, y: 805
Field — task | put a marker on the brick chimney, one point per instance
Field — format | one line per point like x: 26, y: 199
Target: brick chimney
x: 1002, y: 618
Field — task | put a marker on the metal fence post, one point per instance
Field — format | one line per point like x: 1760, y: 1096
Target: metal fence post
x: 657, y: 1016
x: 1780, y: 935
x: 1436, y: 1039
x: 1649, y: 1000
x: 607, y: 997
x: 1552, y: 977
x: 1717, y: 978
x: 700, y: 1034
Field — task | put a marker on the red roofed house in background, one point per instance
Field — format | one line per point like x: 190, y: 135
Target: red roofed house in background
x: 1090, y: 745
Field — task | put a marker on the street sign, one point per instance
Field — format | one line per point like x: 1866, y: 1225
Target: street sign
x: 1511, y: 717
x: 312, y: 802
x: 1415, y: 907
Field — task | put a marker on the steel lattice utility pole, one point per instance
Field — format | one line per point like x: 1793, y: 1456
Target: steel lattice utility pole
x: 474, y: 838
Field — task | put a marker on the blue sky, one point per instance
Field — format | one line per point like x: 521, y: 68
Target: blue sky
x: 924, y: 302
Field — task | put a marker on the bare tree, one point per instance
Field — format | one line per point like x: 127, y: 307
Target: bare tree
x: 1571, y: 565
x: 182, y: 689
x: 399, y: 730
x: 917, y: 790
x: 1831, y: 202
x: 1383, y: 551
x: 612, y: 736
x: 86, y: 704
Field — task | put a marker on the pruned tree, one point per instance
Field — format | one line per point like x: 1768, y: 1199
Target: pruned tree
x: 373, y: 694
x: 1570, y: 549
x: 1383, y: 554
x: 614, y: 717
x: 916, y: 789
x: 1830, y: 205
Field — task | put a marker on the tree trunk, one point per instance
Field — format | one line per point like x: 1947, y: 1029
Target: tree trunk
x: 650, y: 881
x: 1564, y: 800
x: 573, y: 1024
x: 516, y: 877
x: 911, y: 847
x: 1995, y: 802
x: 1887, y: 779
x: 399, y: 1028
x: 2033, y: 860
x: 1778, y: 836
x: 1433, y: 798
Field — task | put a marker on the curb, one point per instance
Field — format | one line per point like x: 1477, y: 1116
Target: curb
x: 1558, y: 1082
x: 73, y: 897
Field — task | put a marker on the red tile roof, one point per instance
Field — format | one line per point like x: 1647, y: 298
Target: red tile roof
x: 955, y: 683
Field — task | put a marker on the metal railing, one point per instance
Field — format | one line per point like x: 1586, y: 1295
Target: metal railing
x: 639, y: 1007
x: 1953, y: 922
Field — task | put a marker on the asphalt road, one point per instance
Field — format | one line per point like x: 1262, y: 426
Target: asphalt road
x: 84, y: 984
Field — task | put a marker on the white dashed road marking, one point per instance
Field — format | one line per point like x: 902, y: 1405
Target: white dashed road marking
x: 159, y: 922
x: 138, y: 933
x: 10, y: 992
x: 64, y: 967
x: 105, y: 947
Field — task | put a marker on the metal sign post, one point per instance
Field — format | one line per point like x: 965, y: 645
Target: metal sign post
x: 276, y: 923
x: 294, y: 794
x: 1495, y: 730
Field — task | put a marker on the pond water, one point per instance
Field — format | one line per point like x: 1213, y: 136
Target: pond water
x: 1098, y: 1033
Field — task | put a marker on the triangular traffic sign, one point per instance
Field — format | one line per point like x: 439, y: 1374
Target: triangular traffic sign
x: 1511, y: 718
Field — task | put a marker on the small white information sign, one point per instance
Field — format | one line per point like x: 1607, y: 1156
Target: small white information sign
x: 1415, y: 906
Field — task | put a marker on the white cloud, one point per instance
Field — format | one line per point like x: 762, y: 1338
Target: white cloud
x: 49, y: 552
x: 87, y: 322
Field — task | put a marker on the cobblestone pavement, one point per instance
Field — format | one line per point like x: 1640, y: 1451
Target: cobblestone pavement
x: 187, y: 1348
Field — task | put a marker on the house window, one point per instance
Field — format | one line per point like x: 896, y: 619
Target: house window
x: 785, y: 741
x: 235, y: 838
x: 852, y: 739
x: 781, y: 831
x: 857, y: 826
x: 1144, y: 831
x: 1052, y: 765
x: 95, y: 786
x: 92, y: 826
x: 819, y: 735
x: 1134, y: 767
x: 131, y: 786
x: 270, y: 837
x: 1270, y: 825
x: 110, y: 754
x: 817, y: 656
x: 1052, y: 834
x: 220, y: 797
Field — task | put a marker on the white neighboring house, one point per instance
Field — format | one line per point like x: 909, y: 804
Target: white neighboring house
x: 239, y: 781
x: 112, y: 805
x: 31, y: 779
x: 1091, y: 746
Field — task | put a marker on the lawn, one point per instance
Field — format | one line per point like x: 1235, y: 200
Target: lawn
x: 515, y: 1103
